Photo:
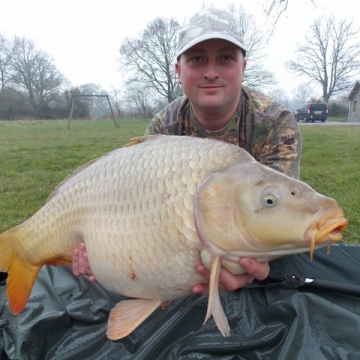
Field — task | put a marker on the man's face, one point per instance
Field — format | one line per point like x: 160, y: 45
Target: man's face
x: 211, y: 74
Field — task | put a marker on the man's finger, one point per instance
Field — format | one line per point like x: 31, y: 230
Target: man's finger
x: 255, y: 268
x: 202, y: 270
x: 75, y: 262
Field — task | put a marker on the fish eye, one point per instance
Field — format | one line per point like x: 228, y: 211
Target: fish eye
x: 269, y: 201
x: 270, y: 197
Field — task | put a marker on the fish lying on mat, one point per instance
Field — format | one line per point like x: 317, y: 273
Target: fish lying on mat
x: 153, y: 210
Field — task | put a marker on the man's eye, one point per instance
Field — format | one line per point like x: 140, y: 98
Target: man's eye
x: 226, y: 57
x: 196, y: 58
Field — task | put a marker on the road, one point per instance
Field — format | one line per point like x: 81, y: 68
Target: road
x: 318, y: 123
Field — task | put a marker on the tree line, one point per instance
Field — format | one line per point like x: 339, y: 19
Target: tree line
x: 32, y: 86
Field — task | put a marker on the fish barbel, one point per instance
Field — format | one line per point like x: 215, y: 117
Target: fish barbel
x: 150, y: 212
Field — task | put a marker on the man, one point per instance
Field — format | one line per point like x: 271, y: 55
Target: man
x: 211, y: 67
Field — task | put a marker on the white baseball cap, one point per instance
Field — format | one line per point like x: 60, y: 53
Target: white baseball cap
x: 210, y: 24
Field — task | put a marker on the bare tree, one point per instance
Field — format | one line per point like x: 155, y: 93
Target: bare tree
x: 144, y: 99
x: 330, y: 56
x: 256, y: 75
x: 33, y: 71
x: 279, y: 94
x: 276, y: 8
x: 150, y: 59
x: 116, y: 100
x: 303, y: 92
x: 97, y: 106
x: 81, y: 107
x: 4, y: 62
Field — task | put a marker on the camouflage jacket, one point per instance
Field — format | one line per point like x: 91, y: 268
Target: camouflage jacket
x: 261, y: 126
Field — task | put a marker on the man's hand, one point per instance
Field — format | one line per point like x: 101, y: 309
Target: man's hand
x: 228, y: 281
x: 80, y: 264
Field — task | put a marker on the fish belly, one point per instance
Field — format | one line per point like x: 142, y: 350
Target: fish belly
x: 154, y: 270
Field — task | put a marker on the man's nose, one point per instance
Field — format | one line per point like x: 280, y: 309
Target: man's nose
x: 211, y: 71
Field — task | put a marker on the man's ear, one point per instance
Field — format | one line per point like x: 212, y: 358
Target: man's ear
x: 178, y: 71
x: 243, y: 69
x: 244, y: 65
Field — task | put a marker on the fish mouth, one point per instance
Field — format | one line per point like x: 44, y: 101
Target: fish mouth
x: 328, y: 231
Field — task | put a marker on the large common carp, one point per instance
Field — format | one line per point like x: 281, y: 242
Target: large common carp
x: 151, y: 211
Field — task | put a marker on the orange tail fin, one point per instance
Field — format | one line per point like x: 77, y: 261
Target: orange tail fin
x: 21, y: 274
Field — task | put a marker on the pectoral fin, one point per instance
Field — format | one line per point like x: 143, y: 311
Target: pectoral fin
x: 214, y: 305
x: 127, y: 315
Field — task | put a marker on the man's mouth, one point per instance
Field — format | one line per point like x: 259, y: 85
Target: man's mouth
x: 210, y: 87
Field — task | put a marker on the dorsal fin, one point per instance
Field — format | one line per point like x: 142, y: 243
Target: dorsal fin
x: 140, y: 139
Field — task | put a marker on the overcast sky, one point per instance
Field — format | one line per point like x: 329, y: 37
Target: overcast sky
x: 84, y: 36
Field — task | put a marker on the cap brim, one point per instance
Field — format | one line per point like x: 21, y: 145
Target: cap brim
x: 208, y: 37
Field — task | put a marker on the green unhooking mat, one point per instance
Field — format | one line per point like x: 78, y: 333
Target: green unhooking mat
x: 304, y: 310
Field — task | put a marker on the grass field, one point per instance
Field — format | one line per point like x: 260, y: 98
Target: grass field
x: 36, y: 156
